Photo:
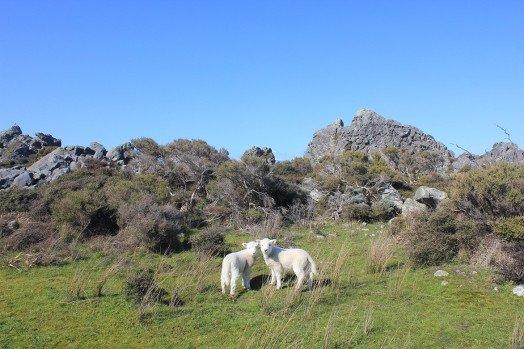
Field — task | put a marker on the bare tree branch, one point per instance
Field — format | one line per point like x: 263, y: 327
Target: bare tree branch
x: 508, y: 135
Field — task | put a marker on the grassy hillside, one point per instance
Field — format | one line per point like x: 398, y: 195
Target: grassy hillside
x: 58, y: 306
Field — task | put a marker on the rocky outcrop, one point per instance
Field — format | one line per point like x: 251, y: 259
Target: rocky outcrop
x: 18, y: 150
x: 371, y: 133
x: 501, y: 152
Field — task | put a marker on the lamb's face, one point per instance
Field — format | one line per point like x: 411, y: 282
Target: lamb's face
x: 251, y: 246
x: 266, y: 245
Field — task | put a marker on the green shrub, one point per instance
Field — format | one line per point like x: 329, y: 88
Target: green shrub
x: 121, y: 190
x: 75, y: 211
x: 254, y: 214
x: 510, y: 228
x: 148, y: 146
x: 491, y: 193
x: 352, y: 212
x: 435, y: 237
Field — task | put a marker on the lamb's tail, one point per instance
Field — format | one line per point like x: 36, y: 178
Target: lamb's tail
x: 312, y: 266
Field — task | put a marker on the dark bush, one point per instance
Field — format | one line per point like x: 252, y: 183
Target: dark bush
x: 146, y: 223
x: 17, y: 199
x: 209, y: 241
x: 142, y: 288
x: 510, y: 262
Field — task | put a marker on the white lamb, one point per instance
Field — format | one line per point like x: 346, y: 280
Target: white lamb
x: 237, y: 263
x: 281, y: 260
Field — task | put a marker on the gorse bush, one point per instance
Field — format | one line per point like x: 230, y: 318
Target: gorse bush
x: 510, y: 228
x: 435, y: 237
x: 494, y: 192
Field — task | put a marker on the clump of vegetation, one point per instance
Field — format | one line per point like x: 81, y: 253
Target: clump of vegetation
x: 17, y: 199
x: 510, y: 228
x: 435, y: 237
x: 142, y: 288
x: 209, y: 241
x: 491, y: 193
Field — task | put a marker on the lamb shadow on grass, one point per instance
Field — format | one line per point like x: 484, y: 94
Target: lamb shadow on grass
x: 260, y: 280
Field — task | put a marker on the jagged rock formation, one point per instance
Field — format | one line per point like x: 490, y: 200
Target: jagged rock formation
x: 501, y: 152
x: 265, y: 153
x: 369, y: 132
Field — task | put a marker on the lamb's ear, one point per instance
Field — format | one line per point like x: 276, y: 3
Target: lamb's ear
x: 272, y: 242
x: 244, y: 244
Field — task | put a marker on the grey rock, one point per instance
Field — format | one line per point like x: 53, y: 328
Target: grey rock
x: 390, y: 196
x: 430, y: 197
x: 441, y: 273
x: 352, y: 196
x: 503, y: 152
x: 411, y: 206
x: 7, y: 229
x: 25, y: 179
x: 312, y: 188
x: 8, y: 175
x: 369, y: 132
x: 122, y: 154
x: 99, y: 150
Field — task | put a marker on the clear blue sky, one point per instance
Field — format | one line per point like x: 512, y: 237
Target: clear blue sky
x: 266, y: 73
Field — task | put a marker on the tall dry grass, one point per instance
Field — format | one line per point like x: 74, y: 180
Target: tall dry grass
x: 381, y: 252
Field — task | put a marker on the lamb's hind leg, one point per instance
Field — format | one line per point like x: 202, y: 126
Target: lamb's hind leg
x: 300, y: 278
x: 233, y: 284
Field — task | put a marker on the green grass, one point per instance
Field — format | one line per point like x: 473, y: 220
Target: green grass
x: 39, y: 307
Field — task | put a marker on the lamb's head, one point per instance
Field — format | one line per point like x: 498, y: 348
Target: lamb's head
x: 266, y: 245
x: 251, y: 246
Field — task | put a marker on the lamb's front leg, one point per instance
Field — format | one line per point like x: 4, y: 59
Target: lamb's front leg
x: 273, y: 278
x: 246, y: 278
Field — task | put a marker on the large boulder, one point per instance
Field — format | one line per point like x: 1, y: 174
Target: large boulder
x: 47, y: 139
x: 371, y: 133
x: 390, y: 197
x: 58, y: 159
x: 430, y: 197
x: 411, y: 206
